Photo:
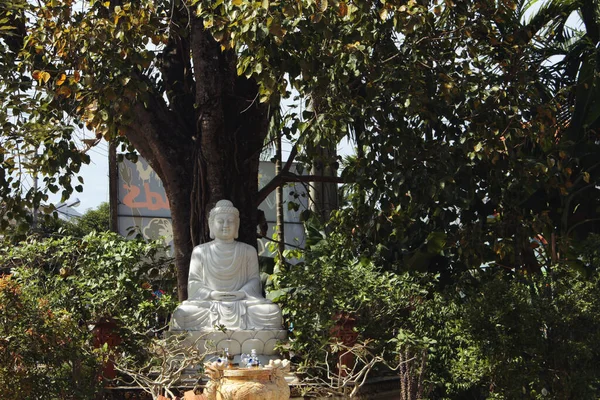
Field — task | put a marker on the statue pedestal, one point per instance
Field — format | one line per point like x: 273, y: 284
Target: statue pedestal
x: 238, y: 342
x: 260, y: 383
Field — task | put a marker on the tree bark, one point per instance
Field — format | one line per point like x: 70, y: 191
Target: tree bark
x: 232, y: 127
x: 171, y: 157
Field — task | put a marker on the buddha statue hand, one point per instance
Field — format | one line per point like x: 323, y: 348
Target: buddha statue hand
x: 227, y: 296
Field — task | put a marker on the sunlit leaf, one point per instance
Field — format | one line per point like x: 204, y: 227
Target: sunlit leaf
x: 61, y: 79
x: 64, y: 91
x: 44, y: 76
x: 343, y: 9
x: 321, y: 5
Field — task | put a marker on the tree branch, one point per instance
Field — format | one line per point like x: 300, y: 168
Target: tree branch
x: 291, y: 158
x: 286, y: 177
x: 155, y: 135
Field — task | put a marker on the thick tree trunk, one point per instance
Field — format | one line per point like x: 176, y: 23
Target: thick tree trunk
x: 179, y: 193
x: 324, y: 195
x: 171, y: 157
x: 216, y: 159
x: 232, y: 127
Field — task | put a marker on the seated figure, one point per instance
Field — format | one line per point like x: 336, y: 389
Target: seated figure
x: 224, y: 284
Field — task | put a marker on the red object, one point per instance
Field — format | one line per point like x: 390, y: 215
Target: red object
x: 105, y: 332
x: 343, y: 331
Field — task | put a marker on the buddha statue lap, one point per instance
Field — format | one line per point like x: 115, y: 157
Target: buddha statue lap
x: 224, y: 283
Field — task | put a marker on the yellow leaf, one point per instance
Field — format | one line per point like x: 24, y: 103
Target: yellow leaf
x: 64, y: 91
x: 276, y: 30
x: 289, y: 11
x: 76, y: 76
x: 383, y: 14
x: 321, y: 5
x: 265, y: 4
x: 61, y: 79
x: 237, y: 2
x: 45, y: 76
x: 36, y: 74
x: 586, y: 177
x: 219, y: 36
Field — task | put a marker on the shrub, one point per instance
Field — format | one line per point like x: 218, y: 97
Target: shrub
x: 486, y: 333
x: 59, y: 288
x: 44, y: 353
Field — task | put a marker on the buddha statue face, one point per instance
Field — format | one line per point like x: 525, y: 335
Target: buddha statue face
x: 224, y: 221
x: 225, y: 226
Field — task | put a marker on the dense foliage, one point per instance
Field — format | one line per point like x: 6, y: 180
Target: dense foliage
x: 458, y: 110
x: 97, y: 220
x: 54, y: 291
x: 474, y: 192
x: 43, y: 350
x: 490, y: 333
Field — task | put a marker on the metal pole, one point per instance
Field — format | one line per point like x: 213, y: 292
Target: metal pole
x: 35, y: 205
x: 279, y: 200
x: 113, y: 188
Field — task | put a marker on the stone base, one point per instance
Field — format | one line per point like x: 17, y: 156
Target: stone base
x: 257, y: 383
x: 238, y: 342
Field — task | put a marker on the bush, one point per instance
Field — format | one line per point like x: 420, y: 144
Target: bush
x: 487, y: 333
x: 44, y: 353
x: 333, y: 281
x: 58, y: 289
x: 538, y: 336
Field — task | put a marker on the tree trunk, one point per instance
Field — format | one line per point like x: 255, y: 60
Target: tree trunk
x: 216, y: 159
x: 172, y: 160
x: 232, y: 127
x: 324, y: 195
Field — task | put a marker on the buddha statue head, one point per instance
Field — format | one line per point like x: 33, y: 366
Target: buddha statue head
x: 224, y: 221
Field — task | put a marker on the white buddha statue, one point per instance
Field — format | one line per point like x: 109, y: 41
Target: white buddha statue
x: 224, y: 283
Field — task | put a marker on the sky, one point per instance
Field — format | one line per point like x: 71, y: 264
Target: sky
x: 95, y: 178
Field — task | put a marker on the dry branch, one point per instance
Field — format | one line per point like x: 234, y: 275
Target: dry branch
x: 171, y: 356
